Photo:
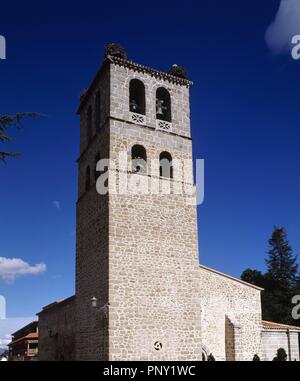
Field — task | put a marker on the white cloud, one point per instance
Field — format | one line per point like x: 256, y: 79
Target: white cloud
x: 286, y: 24
x: 2, y: 307
x: 11, y: 268
x: 5, y: 342
x: 56, y: 204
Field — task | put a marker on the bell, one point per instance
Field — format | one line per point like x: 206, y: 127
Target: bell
x: 160, y: 108
x: 133, y: 106
x: 139, y: 165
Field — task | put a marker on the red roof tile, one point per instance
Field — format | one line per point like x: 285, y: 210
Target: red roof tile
x: 272, y: 325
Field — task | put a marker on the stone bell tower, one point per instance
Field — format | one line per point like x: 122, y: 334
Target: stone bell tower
x: 137, y: 251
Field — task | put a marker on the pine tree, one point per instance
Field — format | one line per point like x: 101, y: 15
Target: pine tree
x: 281, y: 279
x: 282, y: 266
x: 256, y: 358
x: 280, y: 283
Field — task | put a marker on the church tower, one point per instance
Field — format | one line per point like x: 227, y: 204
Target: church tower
x: 137, y: 267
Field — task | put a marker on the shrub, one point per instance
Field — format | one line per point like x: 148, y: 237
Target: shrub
x: 281, y: 355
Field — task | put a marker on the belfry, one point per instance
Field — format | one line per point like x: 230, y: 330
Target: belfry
x: 140, y: 291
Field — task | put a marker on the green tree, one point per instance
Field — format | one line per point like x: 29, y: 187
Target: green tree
x: 280, y: 283
x: 254, y: 277
x: 256, y: 358
x: 211, y: 358
x: 281, y: 262
x: 282, y: 276
x: 8, y: 122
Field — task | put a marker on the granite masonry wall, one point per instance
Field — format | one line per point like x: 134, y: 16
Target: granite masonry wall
x: 137, y: 254
x: 57, y: 331
x: 154, y: 312
x: 137, y: 251
x: 92, y: 229
x: 231, y: 317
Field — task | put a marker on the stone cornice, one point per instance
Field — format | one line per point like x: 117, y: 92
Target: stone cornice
x: 145, y: 69
x: 133, y: 66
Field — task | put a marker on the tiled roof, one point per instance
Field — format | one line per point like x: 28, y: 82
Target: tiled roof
x: 32, y: 326
x: 30, y: 336
x: 57, y: 303
x: 272, y: 325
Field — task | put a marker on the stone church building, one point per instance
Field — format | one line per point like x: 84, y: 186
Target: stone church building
x: 140, y: 291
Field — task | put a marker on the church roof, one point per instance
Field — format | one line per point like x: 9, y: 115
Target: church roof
x: 277, y: 326
x: 231, y: 277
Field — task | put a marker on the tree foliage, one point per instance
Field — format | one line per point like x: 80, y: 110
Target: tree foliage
x: 254, y: 277
x: 7, y: 122
x: 280, y: 282
x: 282, y: 266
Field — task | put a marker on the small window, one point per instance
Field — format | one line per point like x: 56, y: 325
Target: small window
x: 139, y: 159
x: 163, y: 104
x: 89, y: 126
x: 97, y: 111
x: 137, y: 97
x: 97, y: 174
x: 87, y: 178
x: 165, y: 165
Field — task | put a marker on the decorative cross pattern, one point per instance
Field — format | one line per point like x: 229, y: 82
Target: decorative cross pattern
x: 163, y: 125
x: 137, y: 118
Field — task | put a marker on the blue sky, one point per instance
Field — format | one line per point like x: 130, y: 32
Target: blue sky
x: 244, y: 109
